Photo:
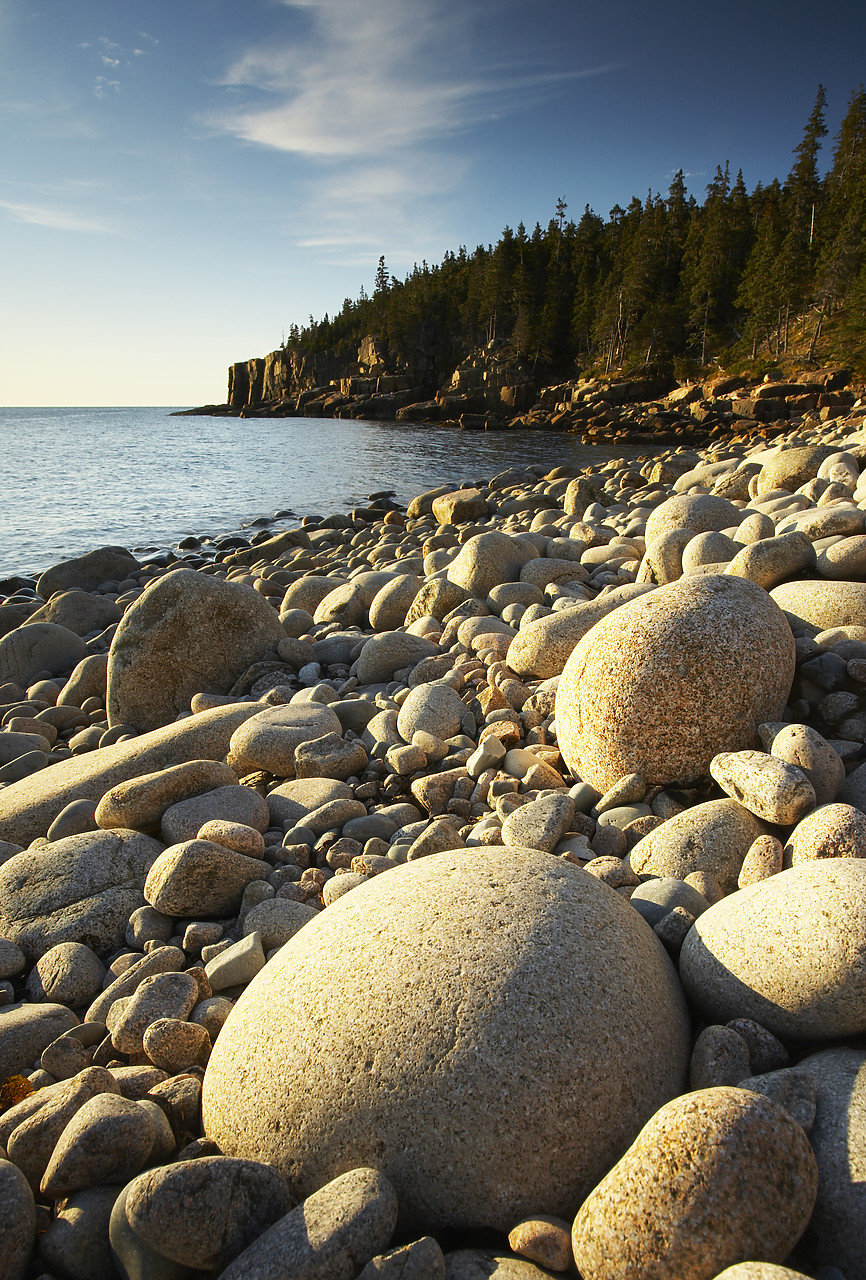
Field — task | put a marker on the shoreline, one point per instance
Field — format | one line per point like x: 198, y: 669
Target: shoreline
x: 635, y: 691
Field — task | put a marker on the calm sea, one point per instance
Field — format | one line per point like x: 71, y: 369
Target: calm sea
x: 75, y: 479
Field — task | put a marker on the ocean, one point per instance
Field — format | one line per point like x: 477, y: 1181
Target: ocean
x: 80, y: 478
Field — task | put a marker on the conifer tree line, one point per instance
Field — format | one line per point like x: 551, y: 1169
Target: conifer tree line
x: 666, y: 283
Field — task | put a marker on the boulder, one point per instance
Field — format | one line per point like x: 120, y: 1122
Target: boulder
x: 667, y: 682
x: 699, y: 512
x: 78, y: 611
x: 543, y: 647
x: 713, y: 837
x: 38, y: 646
x: 186, y: 633
x: 106, y: 564
x: 80, y: 889
x: 716, y: 1176
x: 413, y: 1070
x: 485, y: 561
x: 837, y: 1232
x: 787, y: 952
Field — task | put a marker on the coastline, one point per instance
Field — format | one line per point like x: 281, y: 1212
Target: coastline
x: 567, y: 674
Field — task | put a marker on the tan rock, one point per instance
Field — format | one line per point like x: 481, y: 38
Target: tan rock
x: 833, y: 831
x: 715, y: 1175
x: 712, y: 837
x: 697, y: 511
x: 455, y: 1044
x: 786, y: 952
x: 770, y: 788
x: 543, y: 648
x: 821, y: 604
x: 142, y: 801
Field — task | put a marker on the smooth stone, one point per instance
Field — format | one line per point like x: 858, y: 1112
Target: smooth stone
x: 198, y: 878
x: 821, y: 604
x: 803, y: 746
x: 720, y: 1057
x: 699, y: 512
x: 541, y: 824
x: 186, y: 633
x: 485, y: 561
x: 481, y: 1264
x: 543, y: 1239
x: 79, y: 611
x: 714, y: 837
x: 836, y: 1236
x: 542, y: 648
x: 772, y: 789
x: 668, y: 682
x: 421, y: 1260
x: 81, y: 889
x: 790, y: 467
x: 792, y: 1088
x: 75, y: 1244
x: 233, y: 835
x: 773, y: 560
x: 165, y: 995
x: 427, y: 922
x: 134, y: 1259
x: 233, y: 803
x: 17, y: 1222
x: 715, y: 1176
x: 237, y: 965
x: 268, y: 740
x: 391, y: 651
x: 74, y: 820
x: 760, y: 1271
x: 161, y: 960
x: 338, y: 885
x: 784, y: 953
x: 431, y: 708
x: 655, y: 898
x: 32, y: 1142
x: 87, y: 572
x: 12, y: 959
x: 277, y: 920
x: 227, y: 1204
x: 38, y: 646
x: 833, y: 831
x: 174, y: 1045
x: 334, y: 1233
x: 141, y: 802
x: 28, y: 808
x: 391, y: 602
x: 70, y: 973
x: 107, y: 1141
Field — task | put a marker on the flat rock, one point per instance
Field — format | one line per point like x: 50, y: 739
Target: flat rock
x: 786, y: 952
x: 714, y: 1176
x: 81, y: 889
x: 456, y: 1045
x: 186, y: 633
x: 667, y: 682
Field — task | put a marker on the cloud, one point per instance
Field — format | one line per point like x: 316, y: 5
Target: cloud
x: 367, y: 79
x: 114, y: 57
x: 55, y: 219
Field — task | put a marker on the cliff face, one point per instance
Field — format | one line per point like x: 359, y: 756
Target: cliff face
x: 282, y: 374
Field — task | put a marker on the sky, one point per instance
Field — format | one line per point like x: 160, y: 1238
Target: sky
x: 180, y: 182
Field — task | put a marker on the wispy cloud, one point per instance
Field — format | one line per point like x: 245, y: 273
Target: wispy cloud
x: 373, y: 94
x: 114, y: 57
x: 55, y: 219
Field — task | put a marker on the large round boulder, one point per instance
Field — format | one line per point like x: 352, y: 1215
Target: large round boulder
x: 186, y: 633
x: 520, y: 1024
x: 700, y: 512
x: 788, y: 952
x: 669, y: 680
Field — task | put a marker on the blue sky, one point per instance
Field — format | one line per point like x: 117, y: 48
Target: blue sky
x: 179, y: 182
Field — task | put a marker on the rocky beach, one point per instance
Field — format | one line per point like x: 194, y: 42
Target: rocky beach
x: 471, y: 889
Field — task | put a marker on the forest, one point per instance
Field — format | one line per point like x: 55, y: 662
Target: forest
x: 667, y: 283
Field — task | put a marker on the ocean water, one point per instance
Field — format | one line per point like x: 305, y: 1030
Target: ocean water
x: 78, y: 478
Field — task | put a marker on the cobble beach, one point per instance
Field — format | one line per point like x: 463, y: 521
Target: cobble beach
x: 469, y: 884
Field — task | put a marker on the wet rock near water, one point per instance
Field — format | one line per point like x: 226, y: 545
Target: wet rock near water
x: 489, y: 867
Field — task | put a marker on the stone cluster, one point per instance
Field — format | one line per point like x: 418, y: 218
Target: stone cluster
x: 407, y: 881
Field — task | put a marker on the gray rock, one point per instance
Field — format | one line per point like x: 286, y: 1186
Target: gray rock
x: 792, y: 1088
x: 479, y: 1264
x: 78, y: 611
x: 32, y: 1142
x: 390, y: 651
x: 421, y: 1260
x: 76, y: 1242
x: 720, y: 1057
x: 655, y: 898
x: 12, y: 959
x: 87, y: 572
x: 837, y: 1232
x: 107, y: 1141
x: 134, y: 1259
x: 186, y: 633
x: 671, y: 1207
x: 27, y: 1029
x: 237, y: 965
x: 70, y: 973
x: 88, y: 680
x: 39, y: 646
x: 234, y: 803
x: 277, y: 920
x: 328, y: 1237
x: 291, y: 801
x: 268, y: 740
x: 166, y: 995
x: 161, y: 960
x: 174, y: 1045
x: 456, y: 1045
x: 81, y: 889
x: 541, y: 824
x: 140, y: 802
x: 780, y: 952
x: 227, y: 1204
x: 74, y: 820
x: 17, y: 1222
x: 432, y: 708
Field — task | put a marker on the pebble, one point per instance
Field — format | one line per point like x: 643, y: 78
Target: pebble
x: 772, y: 789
